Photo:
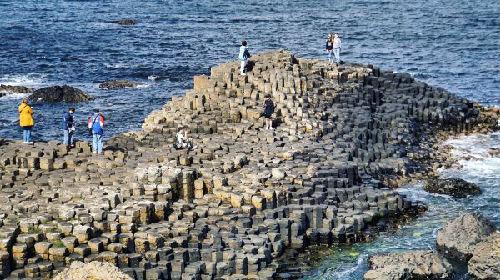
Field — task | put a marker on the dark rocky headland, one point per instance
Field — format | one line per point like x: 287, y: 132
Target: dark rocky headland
x: 232, y: 206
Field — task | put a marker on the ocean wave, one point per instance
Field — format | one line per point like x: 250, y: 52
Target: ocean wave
x: 14, y: 96
x: 475, y: 155
x: 26, y: 80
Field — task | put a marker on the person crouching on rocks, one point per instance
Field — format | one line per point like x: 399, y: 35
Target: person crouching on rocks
x: 337, y: 45
x: 243, y: 57
x: 68, y: 127
x: 268, y: 111
x: 182, y: 141
x: 96, y: 128
x: 329, y: 47
x: 26, y: 120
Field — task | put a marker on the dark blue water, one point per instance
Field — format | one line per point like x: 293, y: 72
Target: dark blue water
x: 452, y: 44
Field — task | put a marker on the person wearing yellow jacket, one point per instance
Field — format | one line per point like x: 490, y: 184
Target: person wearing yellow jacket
x: 26, y: 120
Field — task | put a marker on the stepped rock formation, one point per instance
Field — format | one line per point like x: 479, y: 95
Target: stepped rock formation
x: 230, y: 207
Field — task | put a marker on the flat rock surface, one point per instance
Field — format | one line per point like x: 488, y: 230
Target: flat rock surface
x: 408, y: 265
x: 458, y: 237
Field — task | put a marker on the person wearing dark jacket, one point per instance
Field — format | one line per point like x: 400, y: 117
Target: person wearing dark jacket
x: 268, y: 112
x: 68, y: 126
x: 329, y: 47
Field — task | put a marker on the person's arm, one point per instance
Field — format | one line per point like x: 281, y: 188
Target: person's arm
x: 89, y: 123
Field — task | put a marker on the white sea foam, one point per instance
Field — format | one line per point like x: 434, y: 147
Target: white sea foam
x: 143, y: 85
x: 28, y: 80
x: 474, y: 155
x: 14, y: 96
x: 119, y: 65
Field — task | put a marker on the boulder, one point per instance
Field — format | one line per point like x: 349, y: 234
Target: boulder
x: 125, y: 21
x: 408, y: 265
x: 6, y: 89
x: 485, y: 262
x: 93, y: 270
x: 455, y: 187
x: 118, y: 84
x: 59, y: 94
x: 278, y: 173
x: 458, y: 237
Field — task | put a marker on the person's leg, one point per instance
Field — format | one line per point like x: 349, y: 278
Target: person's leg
x: 337, y: 54
x: 65, y: 137
x: 71, y: 141
x: 28, y: 135
x: 330, y: 56
x: 99, y: 144
x: 94, y: 143
x: 242, y: 67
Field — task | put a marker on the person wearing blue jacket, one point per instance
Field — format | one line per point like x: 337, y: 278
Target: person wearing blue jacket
x: 95, y: 125
x: 68, y: 126
x: 243, y: 56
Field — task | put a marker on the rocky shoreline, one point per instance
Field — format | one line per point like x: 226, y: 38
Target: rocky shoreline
x: 229, y: 208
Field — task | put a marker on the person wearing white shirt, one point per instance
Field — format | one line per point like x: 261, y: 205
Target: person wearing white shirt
x: 337, y: 45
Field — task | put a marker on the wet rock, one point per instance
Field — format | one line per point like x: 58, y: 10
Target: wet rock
x: 125, y: 21
x: 93, y: 270
x: 455, y: 187
x: 59, y: 94
x: 485, y: 262
x: 118, y: 84
x: 6, y: 89
x: 458, y: 237
x: 408, y: 265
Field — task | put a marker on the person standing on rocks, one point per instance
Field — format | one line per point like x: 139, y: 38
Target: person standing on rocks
x: 26, y: 120
x: 329, y: 47
x: 96, y: 128
x: 182, y: 141
x: 268, y: 111
x: 243, y: 57
x: 337, y: 45
x: 68, y: 127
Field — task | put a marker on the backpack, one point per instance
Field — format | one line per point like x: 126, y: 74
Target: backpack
x: 96, y: 126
